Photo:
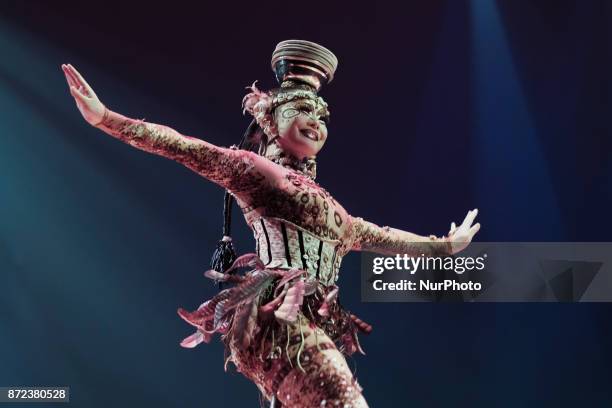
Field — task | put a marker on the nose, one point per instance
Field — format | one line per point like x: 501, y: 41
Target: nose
x: 314, y: 122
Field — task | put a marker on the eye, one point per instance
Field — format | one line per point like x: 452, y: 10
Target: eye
x: 305, y: 109
x: 290, y: 113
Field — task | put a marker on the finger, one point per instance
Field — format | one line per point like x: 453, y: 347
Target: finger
x: 72, y: 76
x: 82, y: 80
x: 469, y: 218
x: 453, y: 226
x: 474, y: 229
x: 81, y: 87
x: 75, y: 74
x: 69, y: 78
x: 78, y: 95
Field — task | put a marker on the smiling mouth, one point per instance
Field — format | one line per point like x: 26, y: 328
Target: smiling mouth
x: 310, y: 134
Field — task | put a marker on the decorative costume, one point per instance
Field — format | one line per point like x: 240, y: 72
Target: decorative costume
x: 281, y: 322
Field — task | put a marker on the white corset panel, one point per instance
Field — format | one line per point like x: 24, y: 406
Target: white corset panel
x: 281, y: 244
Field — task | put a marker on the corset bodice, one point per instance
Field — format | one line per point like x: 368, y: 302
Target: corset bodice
x: 281, y: 244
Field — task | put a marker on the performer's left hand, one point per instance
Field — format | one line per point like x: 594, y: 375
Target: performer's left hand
x: 461, y: 237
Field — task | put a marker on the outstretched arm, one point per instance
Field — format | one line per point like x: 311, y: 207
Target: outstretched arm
x: 390, y: 241
x: 230, y: 168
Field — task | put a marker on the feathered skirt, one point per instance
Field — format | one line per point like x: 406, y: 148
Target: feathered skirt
x: 263, y: 317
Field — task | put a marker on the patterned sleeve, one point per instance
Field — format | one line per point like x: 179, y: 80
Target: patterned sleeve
x: 390, y: 241
x: 230, y: 168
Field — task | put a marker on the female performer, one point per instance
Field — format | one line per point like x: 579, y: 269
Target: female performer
x: 281, y: 322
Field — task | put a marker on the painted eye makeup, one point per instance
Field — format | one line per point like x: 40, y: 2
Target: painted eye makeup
x: 305, y: 108
x: 290, y: 113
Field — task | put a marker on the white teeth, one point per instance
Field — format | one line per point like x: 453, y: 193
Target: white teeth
x: 310, y: 134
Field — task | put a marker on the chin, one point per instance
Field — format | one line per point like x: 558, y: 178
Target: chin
x: 303, y: 148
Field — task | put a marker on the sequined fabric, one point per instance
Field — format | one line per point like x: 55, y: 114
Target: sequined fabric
x: 282, y: 323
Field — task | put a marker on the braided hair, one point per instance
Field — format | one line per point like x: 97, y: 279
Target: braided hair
x: 258, y: 135
x: 224, y: 255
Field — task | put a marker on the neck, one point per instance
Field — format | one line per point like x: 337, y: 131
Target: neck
x: 306, y: 166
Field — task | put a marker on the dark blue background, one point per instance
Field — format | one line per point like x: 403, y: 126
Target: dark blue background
x: 437, y: 107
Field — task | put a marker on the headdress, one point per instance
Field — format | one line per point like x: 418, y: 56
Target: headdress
x: 301, y: 69
x: 305, y: 62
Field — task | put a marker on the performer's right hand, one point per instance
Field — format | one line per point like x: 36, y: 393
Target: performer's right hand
x: 86, y: 100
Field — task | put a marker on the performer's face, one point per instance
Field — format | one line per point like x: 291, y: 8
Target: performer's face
x: 302, y: 130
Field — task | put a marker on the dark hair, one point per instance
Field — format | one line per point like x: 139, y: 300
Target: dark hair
x: 254, y: 139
